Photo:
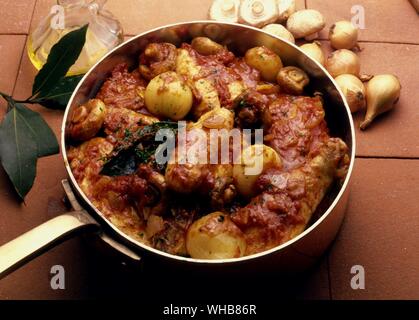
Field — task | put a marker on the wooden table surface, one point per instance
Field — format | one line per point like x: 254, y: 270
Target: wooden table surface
x: 381, y: 229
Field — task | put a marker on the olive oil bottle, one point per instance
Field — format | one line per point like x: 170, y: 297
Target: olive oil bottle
x: 103, y: 34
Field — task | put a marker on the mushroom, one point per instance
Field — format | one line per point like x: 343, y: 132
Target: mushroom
x: 258, y: 13
x: 285, y: 9
x: 206, y: 46
x: 225, y: 10
x: 280, y: 31
x: 306, y: 24
x: 292, y: 80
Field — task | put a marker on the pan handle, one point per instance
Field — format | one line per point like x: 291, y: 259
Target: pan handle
x: 36, y: 241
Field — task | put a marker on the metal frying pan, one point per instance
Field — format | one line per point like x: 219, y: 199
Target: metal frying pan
x: 297, y: 254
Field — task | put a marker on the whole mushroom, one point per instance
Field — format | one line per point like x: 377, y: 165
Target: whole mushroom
x: 225, y: 10
x: 280, y: 31
x: 258, y: 13
x: 306, y: 24
x: 285, y: 9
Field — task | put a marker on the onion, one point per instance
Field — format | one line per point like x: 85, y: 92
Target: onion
x: 314, y: 51
x: 343, y: 61
x: 354, y: 91
x: 383, y: 92
x: 343, y: 35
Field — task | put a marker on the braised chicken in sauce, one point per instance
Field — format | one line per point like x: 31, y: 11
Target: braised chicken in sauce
x: 212, y: 209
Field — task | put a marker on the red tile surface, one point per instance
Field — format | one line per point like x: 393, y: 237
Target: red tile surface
x: 11, y: 48
x: 380, y: 232
x: 16, y: 16
x: 381, y: 224
x: 389, y: 20
x: 137, y: 16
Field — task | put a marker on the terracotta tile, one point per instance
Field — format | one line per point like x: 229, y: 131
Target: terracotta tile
x: 396, y: 133
x: 16, y: 16
x: 137, y: 16
x: 11, y: 47
x: 392, y: 21
x: 380, y: 232
x: 41, y: 10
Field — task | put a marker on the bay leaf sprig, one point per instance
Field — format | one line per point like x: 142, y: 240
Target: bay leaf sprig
x: 24, y: 135
x: 137, y: 147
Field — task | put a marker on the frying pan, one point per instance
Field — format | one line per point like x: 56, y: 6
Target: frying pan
x: 296, y: 254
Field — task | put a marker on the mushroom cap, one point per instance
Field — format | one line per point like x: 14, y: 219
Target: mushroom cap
x: 285, y: 9
x: 258, y: 13
x: 225, y: 10
x: 280, y: 31
x: 305, y: 22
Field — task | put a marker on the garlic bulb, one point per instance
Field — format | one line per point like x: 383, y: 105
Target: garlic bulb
x: 383, y: 92
x: 225, y: 10
x: 285, y: 9
x: 343, y: 61
x: 353, y: 90
x: 258, y: 13
x: 343, y: 35
x: 314, y: 51
x: 306, y: 24
x: 280, y: 31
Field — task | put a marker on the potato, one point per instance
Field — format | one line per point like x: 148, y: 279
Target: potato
x: 168, y: 96
x: 253, y: 161
x: 264, y: 60
x: 206, y: 46
x: 215, y: 236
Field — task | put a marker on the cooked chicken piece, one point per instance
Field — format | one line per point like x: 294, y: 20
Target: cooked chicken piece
x: 288, y: 200
x: 123, y: 89
x: 294, y: 127
x: 214, y: 81
x: 86, y: 161
x: 122, y: 122
x: 156, y: 59
x: 192, y: 171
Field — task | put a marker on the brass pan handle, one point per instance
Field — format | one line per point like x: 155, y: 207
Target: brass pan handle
x: 36, y: 241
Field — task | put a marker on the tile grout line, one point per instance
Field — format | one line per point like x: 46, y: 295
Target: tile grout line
x: 24, y: 47
x: 19, y: 66
x: 378, y: 41
x: 387, y: 157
